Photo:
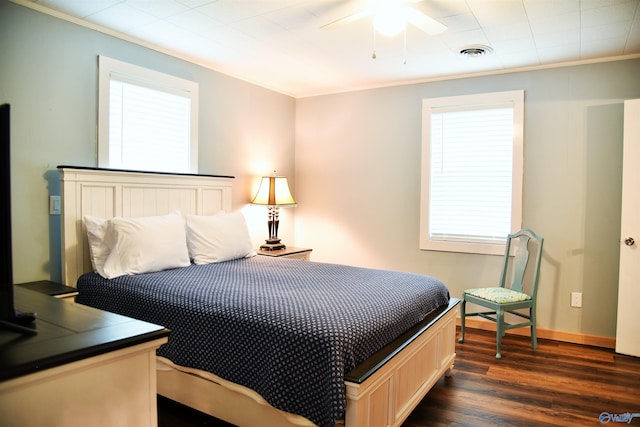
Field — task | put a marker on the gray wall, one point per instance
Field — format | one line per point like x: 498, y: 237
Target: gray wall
x: 358, y: 175
x: 48, y: 73
x: 353, y: 160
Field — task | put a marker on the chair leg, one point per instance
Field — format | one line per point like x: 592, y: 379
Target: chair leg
x: 463, y: 304
x: 534, y: 337
x: 499, y: 331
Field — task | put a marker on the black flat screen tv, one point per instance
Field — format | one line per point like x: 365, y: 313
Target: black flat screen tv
x: 9, y: 317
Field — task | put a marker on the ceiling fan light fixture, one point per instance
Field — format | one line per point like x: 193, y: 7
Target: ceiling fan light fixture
x: 390, y: 20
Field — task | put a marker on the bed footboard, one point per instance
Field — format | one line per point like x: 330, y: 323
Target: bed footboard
x: 385, y: 391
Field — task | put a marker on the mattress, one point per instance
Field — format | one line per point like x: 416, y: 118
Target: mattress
x: 285, y: 328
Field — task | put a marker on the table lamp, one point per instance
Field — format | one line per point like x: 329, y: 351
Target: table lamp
x: 273, y: 192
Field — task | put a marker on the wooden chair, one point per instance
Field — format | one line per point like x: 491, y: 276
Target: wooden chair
x: 502, y: 299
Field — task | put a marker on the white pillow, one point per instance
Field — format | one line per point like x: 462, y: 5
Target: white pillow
x: 218, y: 238
x: 146, y: 244
x: 98, y: 249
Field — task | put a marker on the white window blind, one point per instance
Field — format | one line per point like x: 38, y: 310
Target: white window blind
x: 148, y: 120
x: 471, y: 168
x: 472, y: 173
x: 148, y: 129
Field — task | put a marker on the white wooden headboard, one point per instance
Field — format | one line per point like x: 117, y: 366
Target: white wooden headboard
x: 108, y: 193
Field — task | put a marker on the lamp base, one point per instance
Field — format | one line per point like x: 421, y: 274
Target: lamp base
x: 272, y: 245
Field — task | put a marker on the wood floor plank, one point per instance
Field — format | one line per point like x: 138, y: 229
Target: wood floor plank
x: 557, y: 384
x: 573, y: 383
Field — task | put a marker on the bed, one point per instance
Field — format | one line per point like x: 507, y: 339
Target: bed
x: 284, y: 353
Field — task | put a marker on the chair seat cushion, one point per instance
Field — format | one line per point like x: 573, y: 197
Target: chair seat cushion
x: 498, y: 295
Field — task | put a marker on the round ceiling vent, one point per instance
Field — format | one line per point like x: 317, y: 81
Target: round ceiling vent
x: 475, y: 51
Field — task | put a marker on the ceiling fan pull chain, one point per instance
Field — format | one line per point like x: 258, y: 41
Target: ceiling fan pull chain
x: 405, y: 46
x: 374, y: 56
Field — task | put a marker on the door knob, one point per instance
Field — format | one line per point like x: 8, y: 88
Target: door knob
x: 629, y: 241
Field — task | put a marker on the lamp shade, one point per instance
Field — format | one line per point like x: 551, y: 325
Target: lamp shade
x: 274, y: 191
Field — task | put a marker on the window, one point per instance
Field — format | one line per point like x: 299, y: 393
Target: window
x: 146, y: 120
x: 472, y: 167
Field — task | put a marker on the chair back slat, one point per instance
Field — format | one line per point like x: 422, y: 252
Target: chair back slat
x: 521, y: 264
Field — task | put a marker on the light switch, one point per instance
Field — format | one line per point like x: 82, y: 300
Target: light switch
x: 54, y: 205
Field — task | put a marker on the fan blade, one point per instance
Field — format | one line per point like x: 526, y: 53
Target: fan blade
x: 424, y: 22
x: 351, y: 18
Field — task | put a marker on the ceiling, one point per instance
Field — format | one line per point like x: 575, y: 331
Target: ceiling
x: 281, y: 45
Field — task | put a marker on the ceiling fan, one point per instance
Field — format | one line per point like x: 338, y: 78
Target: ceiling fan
x: 390, y: 17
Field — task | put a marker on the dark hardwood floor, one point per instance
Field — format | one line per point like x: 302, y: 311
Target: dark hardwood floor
x: 559, y: 384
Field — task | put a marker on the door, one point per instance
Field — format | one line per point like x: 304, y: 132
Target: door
x: 628, y: 329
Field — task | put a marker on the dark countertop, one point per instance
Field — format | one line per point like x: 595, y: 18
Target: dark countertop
x: 67, y: 332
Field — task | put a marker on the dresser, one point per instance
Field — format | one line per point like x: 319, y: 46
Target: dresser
x: 84, y: 367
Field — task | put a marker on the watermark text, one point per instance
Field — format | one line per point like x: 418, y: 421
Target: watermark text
x: 626, y: 418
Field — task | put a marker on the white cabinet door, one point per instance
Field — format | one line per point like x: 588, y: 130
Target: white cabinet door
x: 628, y: 329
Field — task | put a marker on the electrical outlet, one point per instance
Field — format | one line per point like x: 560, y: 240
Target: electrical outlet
x: 576, y: 299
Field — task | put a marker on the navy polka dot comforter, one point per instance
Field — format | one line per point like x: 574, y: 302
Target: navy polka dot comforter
x: 288, y: 329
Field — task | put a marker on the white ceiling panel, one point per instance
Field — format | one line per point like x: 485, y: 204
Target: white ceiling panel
x: 282, y: 45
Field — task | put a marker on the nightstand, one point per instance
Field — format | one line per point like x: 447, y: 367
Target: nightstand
x: 53, y: 289
x: 288, y: 252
